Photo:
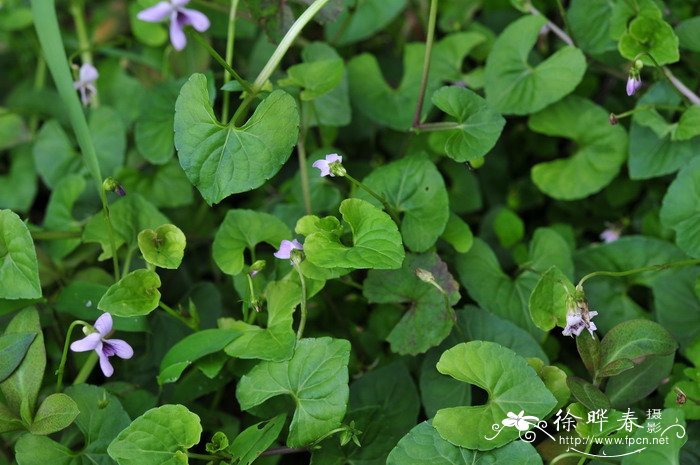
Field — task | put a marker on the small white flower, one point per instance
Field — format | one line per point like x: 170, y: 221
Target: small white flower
x: 325, y: 164
x: 575, y: 323
x: 610, y: 235
x: 86, y: 82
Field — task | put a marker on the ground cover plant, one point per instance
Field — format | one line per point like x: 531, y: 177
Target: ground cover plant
x: 402, y: 232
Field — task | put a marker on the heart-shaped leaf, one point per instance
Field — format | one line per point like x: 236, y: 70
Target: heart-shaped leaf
x: 159, y: 436
x: 512, y: 384
x: 190, y: 349
x: 679, y: 210
x: 648, y: 33
x: 19, y: 270
x: 133, y: 295
x: 477, y: 126
x: 415, y: 189
x: 376, y: 242
x: 513, y: 86
x: 163, y: 247
x: 244, y: 229
x: 316, y: 377
x: 601, y: 149
x: 221, y: 160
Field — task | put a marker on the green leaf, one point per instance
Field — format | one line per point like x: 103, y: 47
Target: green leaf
x: 153, y: 131
x: 513, y: 86
x: 554, y: 378
x: 164, y: 186
x: 241, y: 230
x: 162, y: 435
x: 639, y: 382
x: 654, y: 149
x: 601, y: 149
x: 427, y: 321
x: 129, y: 216
x: 458, y: 234
x: 612, y: 293
x: 109, y: 136
x: 190, y: 349
x: 19, y: 271
x: 629, y: 343
x: 151, y: 34
x: 22, y: 387
x: 679, y: 209
x: 589, y: 350
x: 439, y: 391
x: 13, y: 348
x: 508, y: 226
x: 384, y: 406
x: 424, y: 446
x: 276, y: 342
x: 13, y: 131
x: 316, y: 377
x: 589, y: 21
x: 650, y: 34
x: 56, y: 413
x: 39, y: 450
x: 688, y: 125
x: 687, y: 34
x: 163, y: 247
x: 415, y: 189
x: 495, y: 291
x: 332, y: 108
x: 477, y: 127
x: 512, y: 386
x: 59, y: 215
x: 376, y: 242
x: 662, y: 449
x: 548, y: 301
x: 676, y: 304
x: 221, y: 160
x: 368, y: 17
x: 133, y: 295
x: 316, y: 78
x: 588, y: 394
x: 18, y: 186
x: 255, y: 439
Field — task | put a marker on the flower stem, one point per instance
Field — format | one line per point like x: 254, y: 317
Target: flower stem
x: 659, y: 267
x: 672, y: 79
x: 426, y: 62
x: 76, y: 11
x: 219, y: 59
x: 553, y: 27
x: 302, y: 318
x: 382, y: 200
x: 64, y: 355
x: 231, y: 33
x: 435, y: 127
x: 648, y: 107
x: 49, y: 34
x: 179, y: 317
x: 87, y: 368
x: 127, y: 261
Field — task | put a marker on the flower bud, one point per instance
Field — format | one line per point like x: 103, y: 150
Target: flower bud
x: 112, y: 185
x: 337, y: 169
x: 612, y: 119
x: 296, y: 256
x: 256, y: 267
x: 638, y: 65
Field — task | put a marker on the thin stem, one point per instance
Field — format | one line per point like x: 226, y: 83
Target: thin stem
x: 219, y: 59
x: 660, y: 267
x: 685, y: 91
x: 583, y: 458
x: 286, y: 42
x: 87, y: 368
x: 553, y: 27
x: 283, y: 451
x: 127, y: 261
x: 64, y: 355
x: 435, y: 127
x: 562, y: 14
x: 177, y: 316
x: 231, y: 33
x: 379, y: 197
x: 648, y: 107
x: 426, y: 62
x: 39, y: 80
x: 302, y: 318
x: 301, y: 153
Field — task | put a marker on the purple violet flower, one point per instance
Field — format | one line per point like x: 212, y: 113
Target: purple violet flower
x: 104, y: 347
x: 610, y: 235
x: 634, y: 83
x: 179, y: 18
x: 325, y: 165
x: 286, y: 247
x: 86, y: 83
x: 575, y: 324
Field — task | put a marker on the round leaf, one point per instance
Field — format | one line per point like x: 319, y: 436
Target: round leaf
x: 650, y: 34
x: 601, y: 149
x: 135, y: 294
x: 221, y: 160
x: 513, y: 86
x: 163, y: 247
x: 512, y: 384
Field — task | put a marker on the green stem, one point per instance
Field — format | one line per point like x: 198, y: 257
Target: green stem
x: 64, y: 356
x: 583, y: 458
x: 681, y: 88
x: 231, y: 33
x: 39, y: 80
x: 659, y: 267
x: 178, y: 317
x: 302, y: 319
x: 382, y: 200
x: 87, y: 368
x: 649, y: 107
x: 432, y: 18
x: 46, y: 25
x: 209, y: 457
x: 301, y: 153
x: 562, y: 13
x: 127, y: 261
x: 553, y: 27
x: 219, y: 59
x: 434, y: 127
